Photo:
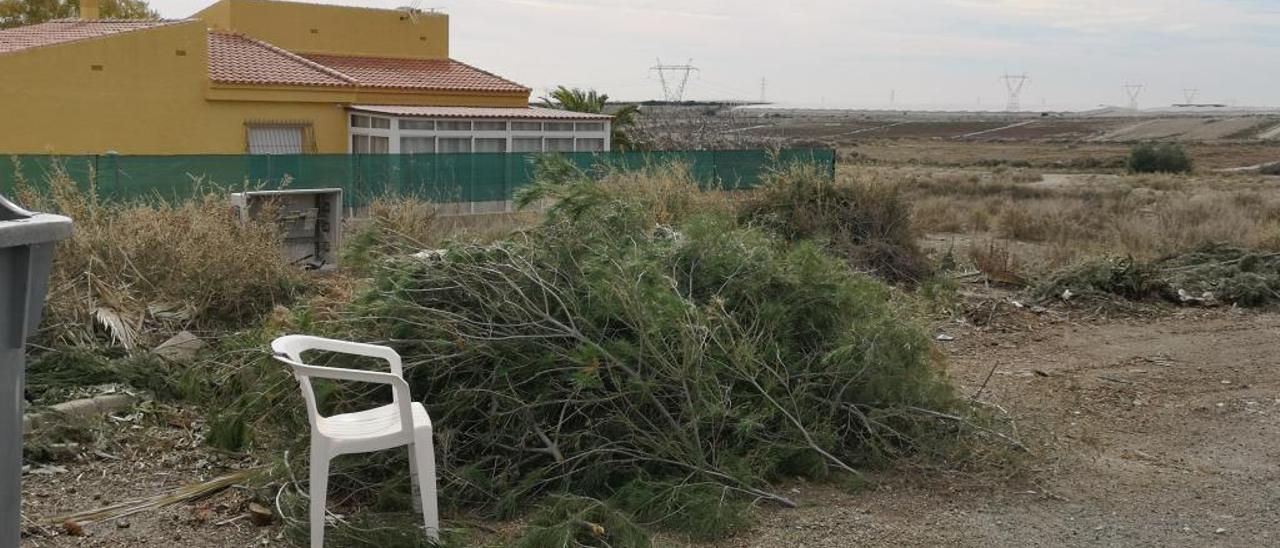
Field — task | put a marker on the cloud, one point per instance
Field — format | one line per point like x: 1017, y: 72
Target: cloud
x: 1193, y: 18
x: 855, y: 51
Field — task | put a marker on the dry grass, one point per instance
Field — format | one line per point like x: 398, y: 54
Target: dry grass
x: 997, y: 262
x: 668, y: 192
x: 1144, y: 216
x: 395, y: 225
x: 133, y: 273
x: 408, y: 219
x: 484, y: 227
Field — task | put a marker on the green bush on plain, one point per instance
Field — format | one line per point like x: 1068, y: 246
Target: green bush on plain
x: 1161, y: 158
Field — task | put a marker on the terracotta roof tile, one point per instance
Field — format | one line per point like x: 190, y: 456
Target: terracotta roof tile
x: 238, y: 59
x: 71, y: 30
x: 418, y: 74
x: 531, y: 113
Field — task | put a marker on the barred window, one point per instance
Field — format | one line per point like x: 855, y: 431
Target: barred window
x: 275, y: 139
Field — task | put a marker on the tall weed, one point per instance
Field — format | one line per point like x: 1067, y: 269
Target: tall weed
x: 133, y: 272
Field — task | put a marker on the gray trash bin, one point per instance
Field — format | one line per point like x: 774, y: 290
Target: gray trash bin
x: 26, y: 254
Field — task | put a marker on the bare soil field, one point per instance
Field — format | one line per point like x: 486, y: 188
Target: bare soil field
x: 1146, y: 431
x: 849, y: 127
x: 1190, y: 129
x: 840, y: 131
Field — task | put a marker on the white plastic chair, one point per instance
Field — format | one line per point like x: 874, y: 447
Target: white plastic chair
x: 403, y: 422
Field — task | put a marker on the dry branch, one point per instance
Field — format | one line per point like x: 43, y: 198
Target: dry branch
x: 177, y: 496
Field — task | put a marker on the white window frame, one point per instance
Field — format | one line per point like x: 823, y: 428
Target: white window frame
x: 394, y: 133
x: 393, y: 140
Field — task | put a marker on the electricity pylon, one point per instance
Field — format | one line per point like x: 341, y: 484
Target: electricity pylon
x: 1014, y: 84
x: 672, y: 91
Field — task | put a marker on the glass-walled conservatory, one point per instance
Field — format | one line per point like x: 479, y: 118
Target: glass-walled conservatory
x: 430, y: 130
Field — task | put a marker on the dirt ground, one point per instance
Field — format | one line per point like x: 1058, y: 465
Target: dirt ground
x: 1152, y: 429
x: 148, y: 452
x: 1148, y: 431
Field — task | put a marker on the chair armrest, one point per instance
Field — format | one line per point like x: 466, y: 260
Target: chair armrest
x: 294, y: 345
x: 340, y: 374
x: 399, y: 388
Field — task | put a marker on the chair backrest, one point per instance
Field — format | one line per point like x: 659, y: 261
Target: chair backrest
x: 292, y: 347
x: 289, y: 349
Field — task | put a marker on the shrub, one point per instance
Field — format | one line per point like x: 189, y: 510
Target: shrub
x: 866, y: 223
x: 1163, y: 158
x: 134, y: 271
x: 1015, y: 222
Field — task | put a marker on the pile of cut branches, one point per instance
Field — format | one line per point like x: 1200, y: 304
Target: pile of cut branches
x: 1209, y: 275
x: 671, y: 367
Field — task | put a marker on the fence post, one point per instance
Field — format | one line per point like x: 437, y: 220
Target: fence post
x: 114, y: 160
x: 715, y: 170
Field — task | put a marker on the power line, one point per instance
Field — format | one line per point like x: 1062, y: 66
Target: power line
x: 721, y: 89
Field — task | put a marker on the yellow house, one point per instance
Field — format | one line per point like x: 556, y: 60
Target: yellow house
x: 266, y: 77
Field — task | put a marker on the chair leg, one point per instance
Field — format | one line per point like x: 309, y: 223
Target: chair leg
x: 422, y: 453
x: 415, y: 487
x: 318, y: 492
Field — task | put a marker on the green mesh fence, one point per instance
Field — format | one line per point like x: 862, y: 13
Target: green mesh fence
x: 444, y: 178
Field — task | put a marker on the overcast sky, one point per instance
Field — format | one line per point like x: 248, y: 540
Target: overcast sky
x: 856, y: 53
